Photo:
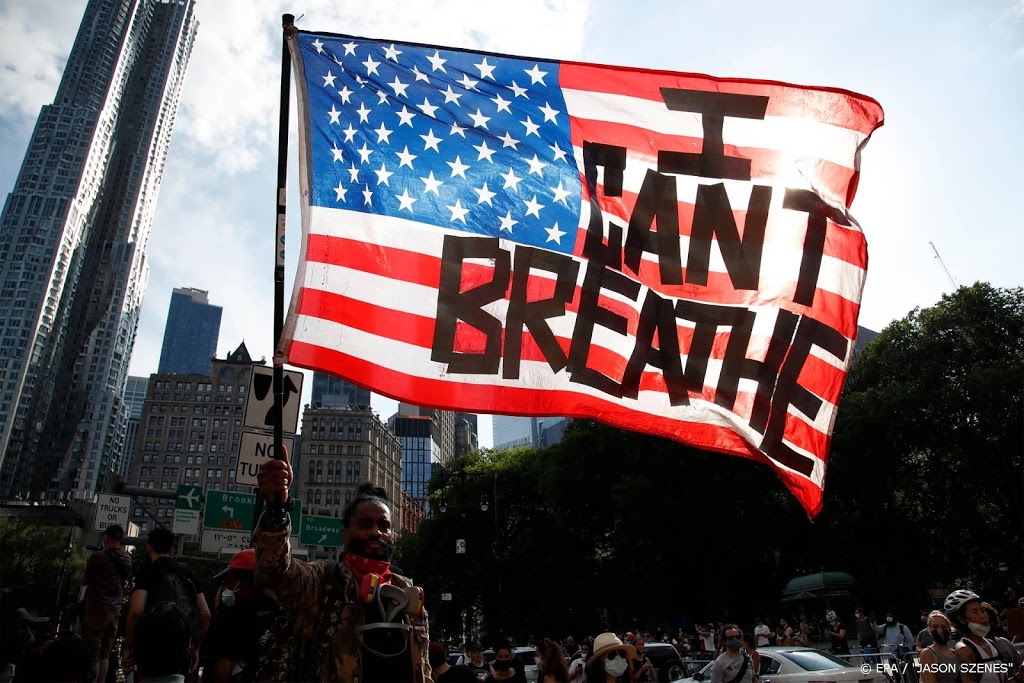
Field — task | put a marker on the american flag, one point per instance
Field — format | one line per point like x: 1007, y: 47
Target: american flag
x: 407, y: 147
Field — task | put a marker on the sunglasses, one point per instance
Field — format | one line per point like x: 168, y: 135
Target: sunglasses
x: 614, y: 654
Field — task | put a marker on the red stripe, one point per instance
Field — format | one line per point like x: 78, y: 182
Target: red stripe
x: 767, y: 164
x: 450, y: 395
x: 826, y: 105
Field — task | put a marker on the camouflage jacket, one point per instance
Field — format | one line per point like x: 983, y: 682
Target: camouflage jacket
x: 300, y: 586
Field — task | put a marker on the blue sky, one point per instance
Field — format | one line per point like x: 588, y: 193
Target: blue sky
x: 945, y: 168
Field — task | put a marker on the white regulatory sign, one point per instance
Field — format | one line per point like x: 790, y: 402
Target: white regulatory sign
x: 112, y: 510
x: 215, y: 540
x: 255, y: 449
x: 259, y: 403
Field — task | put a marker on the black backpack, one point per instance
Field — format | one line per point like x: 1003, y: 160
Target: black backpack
x: 175, y: 587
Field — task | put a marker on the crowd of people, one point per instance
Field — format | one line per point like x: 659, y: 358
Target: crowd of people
x: 281, y: 619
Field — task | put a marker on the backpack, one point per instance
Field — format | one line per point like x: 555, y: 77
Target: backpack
x: 175, y: 587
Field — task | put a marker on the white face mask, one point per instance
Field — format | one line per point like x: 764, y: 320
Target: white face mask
x: 615, y: 667
x: 979, y: 630
x: 227, y: 597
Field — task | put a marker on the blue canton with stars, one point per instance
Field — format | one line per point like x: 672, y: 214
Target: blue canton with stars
x: 466, y: 141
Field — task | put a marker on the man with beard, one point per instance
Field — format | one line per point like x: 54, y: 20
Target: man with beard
x: 355, y: 618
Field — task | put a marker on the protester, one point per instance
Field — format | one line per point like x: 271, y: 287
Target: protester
x: 762, y: 633
x: 106, y: 572
x: 981, y: 659
x: 784, y: 634
x: 382, y: 635
x: 165, y: 580
x: 896, y: 637
x: 938, y: 661
x: 924, y: 636
x: 476, y: 662
x: 232, y: 647
x: 750, y: 647
x: 163, y: 645
x: 866, y: 636
x: 551, y: 663
x: 505, y: 667
x: 836, y: 632
x: 610, y: 661
x: 437, y: 656
x: 643, y: 670
x: 733, y: 665
x: 578, y: 665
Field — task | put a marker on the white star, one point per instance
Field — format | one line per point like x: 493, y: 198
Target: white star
x: 427, y: 108
x: 508, y: 141
x: 485, y: 151
x: 361, y: 81
x: 549, y: 113
x: 458, y: 212
x: 502, y: 103
x: 399, y: 87
x: 340, y: 192
x: 479, y: 120
x: 467, y: 82
x: 353, y: 173
x: 391, y: 53
x: 483, y: 195
x: 436, y: 62
x: 364, y: 113
x: 350, y: 133
x: 334, y: 114
x: 531, y: 127
x: 560, y: 193
x: 319, y: 46
x: 432, y: 184
x: 507, y: 222
x: 350, y: 48
x: 430, y: 141
x: 536, y: 165
x: 329, y: 79
x: 451, y: 96
x: 367, y: 194
x: 486, y: 70
x: 511, y: 180
x: 364, y: 154
x: 554, y: 234
x: 336, y: 152
x: 384, y: 174
x: 533, y: 207
x: 536, y: 75
x: 345, y: 94
x: 520, y: 92
x: 371, y: 66
x: 405, y: 117
x: 383, y: 135
x: 405, y: 157
x: 559, y: 154
x: 405, y: 201
x: 382, y: 97
x: 458, y: 168
x: 420, y: 76
x: 457, y: 130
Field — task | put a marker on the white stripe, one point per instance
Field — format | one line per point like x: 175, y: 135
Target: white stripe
x: 797, y: 138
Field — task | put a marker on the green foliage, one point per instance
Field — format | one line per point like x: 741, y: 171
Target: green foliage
x: 31, y: 557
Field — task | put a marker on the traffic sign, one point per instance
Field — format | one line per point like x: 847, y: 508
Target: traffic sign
x: 259, y: 403
x: 229, y: 510
x: 460, y: 546
x: 446, y: 597
x: 111, y: 510
x: 215, y: 540
x: 255, y: 449
x: 186, y: 509
x: 323, y: 531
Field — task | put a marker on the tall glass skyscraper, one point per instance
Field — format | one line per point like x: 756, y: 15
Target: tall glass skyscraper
x: 333, y: 392
x: 191, y: 332
x: 73, y: 238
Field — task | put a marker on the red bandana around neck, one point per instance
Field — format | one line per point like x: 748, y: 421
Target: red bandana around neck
x: 361, y: 566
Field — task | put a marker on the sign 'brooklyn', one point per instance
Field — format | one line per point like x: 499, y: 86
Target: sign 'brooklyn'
x: 670, y: 253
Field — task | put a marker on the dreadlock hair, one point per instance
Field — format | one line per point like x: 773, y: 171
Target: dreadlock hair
x: 366, y: 492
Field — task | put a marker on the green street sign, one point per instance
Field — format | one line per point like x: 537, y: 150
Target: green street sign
x: 229, y: 510
x: 189, y: 497
x: 323, y: 531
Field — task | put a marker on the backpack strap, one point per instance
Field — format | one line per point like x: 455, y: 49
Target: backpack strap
x: 743, y: 670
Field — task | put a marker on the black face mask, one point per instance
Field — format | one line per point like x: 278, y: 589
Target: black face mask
x: 941, y: 635
x: 502, y: 665
x: 360, y: 548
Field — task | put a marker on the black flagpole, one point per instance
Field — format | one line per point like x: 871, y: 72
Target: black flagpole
x: 276, y: 513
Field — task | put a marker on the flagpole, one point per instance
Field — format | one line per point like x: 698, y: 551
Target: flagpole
x: 276, y: 512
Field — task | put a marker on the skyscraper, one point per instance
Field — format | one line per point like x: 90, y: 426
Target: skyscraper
x: 538, y: 432
x: 73, y: 238
x: 333, y: 392
x: 190, y: 335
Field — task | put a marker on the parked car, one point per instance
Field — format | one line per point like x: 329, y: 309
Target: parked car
x: 666, y: 660
x: 779, y: 664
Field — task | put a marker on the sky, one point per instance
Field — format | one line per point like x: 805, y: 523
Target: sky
x: 941, y: 171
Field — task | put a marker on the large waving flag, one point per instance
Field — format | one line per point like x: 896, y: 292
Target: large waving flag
x: 670, y: 253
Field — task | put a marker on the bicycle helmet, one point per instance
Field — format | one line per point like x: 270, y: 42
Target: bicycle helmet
x: 957, y: 599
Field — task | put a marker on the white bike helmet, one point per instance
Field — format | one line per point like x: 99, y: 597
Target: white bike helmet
x: 957, y: 599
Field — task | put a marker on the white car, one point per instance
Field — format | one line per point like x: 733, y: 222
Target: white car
x: 800, y: 665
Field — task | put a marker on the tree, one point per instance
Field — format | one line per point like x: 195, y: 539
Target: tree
x: 30, y: 564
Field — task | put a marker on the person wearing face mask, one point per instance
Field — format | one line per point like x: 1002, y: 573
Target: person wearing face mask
x: 836, y: 632
x: 982, y: 658
x: 733, y: 665
x: 504, y: 667
x: 896, y: 637
x: 578, y: 666
x: 610, y: 661
x: 938, y: 661
x: 231, y: 649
